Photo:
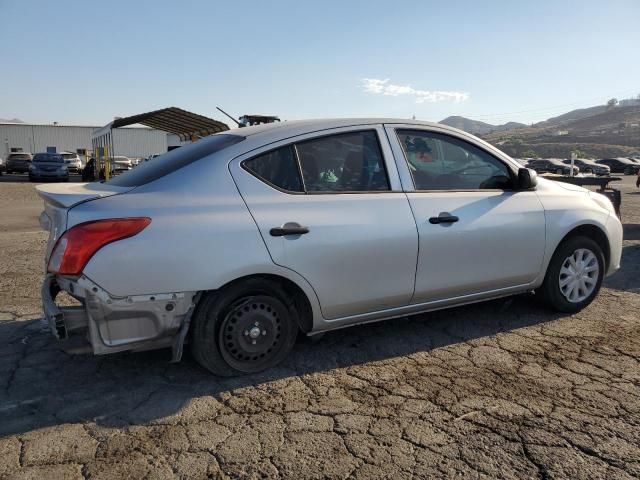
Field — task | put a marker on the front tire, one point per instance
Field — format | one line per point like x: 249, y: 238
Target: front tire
x: 246, y: 328
x: 574, y: 275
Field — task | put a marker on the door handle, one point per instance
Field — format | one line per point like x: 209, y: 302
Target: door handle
x: 289, y: 228
x: 444, y: 217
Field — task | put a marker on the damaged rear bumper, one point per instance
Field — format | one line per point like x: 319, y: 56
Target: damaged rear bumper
x: 113, y: 324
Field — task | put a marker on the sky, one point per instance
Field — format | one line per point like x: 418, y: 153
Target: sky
x: 85, y: 62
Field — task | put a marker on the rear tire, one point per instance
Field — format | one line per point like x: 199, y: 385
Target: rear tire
x: 246, y: 328
x: 574, y: 275
x: 559, y: 171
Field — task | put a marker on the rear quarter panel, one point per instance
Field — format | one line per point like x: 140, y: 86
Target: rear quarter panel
x: 200, y: 238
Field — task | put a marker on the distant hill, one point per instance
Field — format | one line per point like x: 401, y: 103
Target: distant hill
x: 477, y: 127
x: 597, y: 132
x: 571, y: 116
x: 14, y: 120
x: 481, y: 128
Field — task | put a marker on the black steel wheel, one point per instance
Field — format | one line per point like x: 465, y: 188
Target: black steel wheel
x: 251, y: 333
x: 245, y: 328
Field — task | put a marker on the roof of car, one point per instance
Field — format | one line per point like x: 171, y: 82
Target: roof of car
x: 294, y: 127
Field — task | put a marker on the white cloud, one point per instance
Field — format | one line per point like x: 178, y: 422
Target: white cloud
x: 383, y: 87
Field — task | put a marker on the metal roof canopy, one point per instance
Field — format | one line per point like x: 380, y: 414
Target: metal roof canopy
x: 186, y: 125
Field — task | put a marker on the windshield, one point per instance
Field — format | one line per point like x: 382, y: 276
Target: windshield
x: 69, y: 156
x: 19, y: 156
x: 48, y: 157
x: 174, y: 160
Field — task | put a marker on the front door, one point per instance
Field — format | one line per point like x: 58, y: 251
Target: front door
x: 330, y: 207
x: 477, y: 233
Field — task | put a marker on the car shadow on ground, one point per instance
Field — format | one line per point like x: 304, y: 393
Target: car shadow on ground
x: 631, y: 231
x: 45, y: 386
x: 628, y: 278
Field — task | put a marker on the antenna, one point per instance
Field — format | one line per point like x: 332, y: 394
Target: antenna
x: 239, y: 124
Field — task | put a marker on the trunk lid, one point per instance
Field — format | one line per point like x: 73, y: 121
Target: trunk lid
x: 59, y: 198
x: 67, y: 195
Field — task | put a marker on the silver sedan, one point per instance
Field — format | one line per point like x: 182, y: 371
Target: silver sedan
x: 243, y: 239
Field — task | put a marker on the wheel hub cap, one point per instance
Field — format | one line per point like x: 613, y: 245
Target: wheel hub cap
x: 579, y: 275
x: 254, y: 332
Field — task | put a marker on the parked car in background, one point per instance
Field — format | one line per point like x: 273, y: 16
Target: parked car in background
x: 311, y: 226
x: 18, y: 162
x: 589, y: 166
x: 72, y: 161
x: 551, y: 165
x: 120, y: 164
x: 48, y: 166
x: 2, y: 166
x: 152, y: 156
x: 620, y: 165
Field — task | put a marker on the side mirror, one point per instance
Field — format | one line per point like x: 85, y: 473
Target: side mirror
x: 527, y: 179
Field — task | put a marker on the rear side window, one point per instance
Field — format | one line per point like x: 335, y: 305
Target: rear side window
x: 347, y: 162
x: 174, y: 160
x: 278, y: 168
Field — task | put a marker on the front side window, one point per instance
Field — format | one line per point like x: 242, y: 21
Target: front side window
x: 278, y: 168
x: 441, y: 162
x: 346, y: 162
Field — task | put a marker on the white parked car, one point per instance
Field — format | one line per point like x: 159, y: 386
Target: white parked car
x: 120, y: 164
x: 72, y: 161
x: 243, y: 239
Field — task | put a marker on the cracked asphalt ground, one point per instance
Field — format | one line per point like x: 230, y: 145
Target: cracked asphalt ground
x: 503, y: 389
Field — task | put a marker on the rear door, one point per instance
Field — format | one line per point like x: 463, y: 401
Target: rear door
x: 329, y: 205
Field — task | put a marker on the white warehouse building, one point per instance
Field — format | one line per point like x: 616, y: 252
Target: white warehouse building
x: 139, y: 135
x: 130, y: 142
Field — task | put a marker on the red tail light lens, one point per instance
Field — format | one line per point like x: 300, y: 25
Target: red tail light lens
x: 78, y: 244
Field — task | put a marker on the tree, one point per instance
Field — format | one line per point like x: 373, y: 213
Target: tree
x: 612, y: 103
x: 529, y: 154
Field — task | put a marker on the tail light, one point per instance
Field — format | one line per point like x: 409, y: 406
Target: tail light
x: 76, y: 247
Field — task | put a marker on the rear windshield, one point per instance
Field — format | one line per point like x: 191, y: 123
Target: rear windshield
x: 69, y: 155
x: 149, y: 171
x: 19, y: 156
x: 47, y: 157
